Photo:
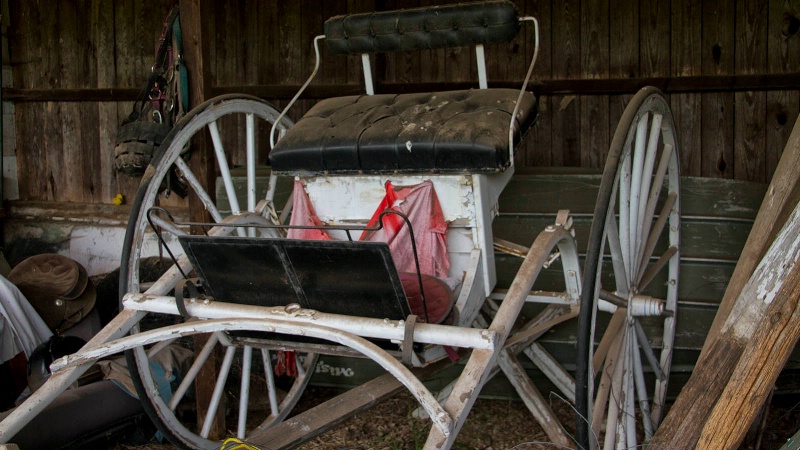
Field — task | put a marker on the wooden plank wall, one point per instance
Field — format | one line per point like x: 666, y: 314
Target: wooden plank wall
x: 64, y: 53
x: 66, y: 148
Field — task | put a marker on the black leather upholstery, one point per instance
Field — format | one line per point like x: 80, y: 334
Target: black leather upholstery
x: 423, y: 28
x: 443, y: 132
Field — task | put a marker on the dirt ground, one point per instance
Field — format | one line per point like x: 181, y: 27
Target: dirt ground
x: 492, y: 425
x: 506, y: 425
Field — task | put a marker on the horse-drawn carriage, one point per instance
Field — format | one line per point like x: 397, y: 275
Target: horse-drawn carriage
x: 385, y: 250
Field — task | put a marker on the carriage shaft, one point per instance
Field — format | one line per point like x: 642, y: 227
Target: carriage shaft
x: 361, y: 326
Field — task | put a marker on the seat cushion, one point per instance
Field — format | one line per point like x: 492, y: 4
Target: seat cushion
x: 442, y: 132
x: 439, y: 298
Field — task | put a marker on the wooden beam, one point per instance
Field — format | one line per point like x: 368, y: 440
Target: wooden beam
x: 732, y: 379
x: 784, y: 189
x: 758, y: 369
x: 751, y: 322
x: 609, y: 86
x: 197, y: 60
x: 71, y: 95
x: 606, y: 86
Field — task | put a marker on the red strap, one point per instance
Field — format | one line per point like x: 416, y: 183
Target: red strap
x: 287, y: 364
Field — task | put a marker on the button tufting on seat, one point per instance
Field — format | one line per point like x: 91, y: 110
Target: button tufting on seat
x: 449, y: 132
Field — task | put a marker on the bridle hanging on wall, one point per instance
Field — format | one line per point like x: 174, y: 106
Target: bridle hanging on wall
x: 160, y: 104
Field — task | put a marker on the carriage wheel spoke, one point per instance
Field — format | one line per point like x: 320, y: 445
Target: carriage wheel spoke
x: 222, y: 164
x: 628, y: 383
x: 637, y: 180
x: 244, y: 392
x: 641, y: 388
x: 198, y: 189
x: 649, y: 354
x: 651, y: 271
x: 250, y: 152
x: 613, y: 415
x: 250, y: 136
x: 655, y: 194
x: 658, y: 228
x: 624, y: 216
x: 608, y: 339
x: 617, y: 258
x: 272, y: 392
x: 601, y: 401
x: 191, y: 374
x: 219, y: 389
x: 644, y: 192
x: 666, y: 361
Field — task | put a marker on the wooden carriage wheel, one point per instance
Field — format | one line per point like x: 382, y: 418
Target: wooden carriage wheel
x: 631, y: 275
x: 252, y: 119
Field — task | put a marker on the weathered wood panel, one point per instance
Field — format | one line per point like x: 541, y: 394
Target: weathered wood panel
x: 565, y: 110
x: 750, y: 107
x: 65, y: 149
x: 624, y: 42
x: 783, y: 54
x: 717, y: 109
x: 687, y: 61
x: 594, y: 64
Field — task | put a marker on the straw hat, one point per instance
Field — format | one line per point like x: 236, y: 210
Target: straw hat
x: 57, y: 287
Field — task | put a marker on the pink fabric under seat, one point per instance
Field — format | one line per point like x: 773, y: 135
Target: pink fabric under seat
x: 421, y: 205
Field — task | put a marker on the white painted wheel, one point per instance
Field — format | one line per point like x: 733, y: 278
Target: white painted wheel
x: 631, y: 276
x: 251, y: 119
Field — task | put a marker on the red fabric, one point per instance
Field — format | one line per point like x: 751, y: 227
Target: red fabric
x: 421, y: 205
x: 303, y: 215
x: 286, y: 364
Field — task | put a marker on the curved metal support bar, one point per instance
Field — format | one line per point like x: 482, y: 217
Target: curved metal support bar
x: 524, y: 85
x: 296, y: 96
x: 360, y: 326
x: 440, y: 418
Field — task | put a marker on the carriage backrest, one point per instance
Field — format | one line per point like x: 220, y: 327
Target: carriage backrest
x: 423, y: 28
x: 431, y: 27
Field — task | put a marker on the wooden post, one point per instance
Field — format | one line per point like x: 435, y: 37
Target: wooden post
x: 196, y: 56
x: 757, y: 332
x: 761, y: 363
x: 732, y: 380
x: 783, y: 190
x: 748, y: 321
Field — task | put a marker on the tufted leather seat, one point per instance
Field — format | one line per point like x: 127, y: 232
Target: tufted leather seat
x: 442, y: 132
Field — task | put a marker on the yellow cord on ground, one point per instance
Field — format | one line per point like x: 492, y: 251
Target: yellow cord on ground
x: 236, y: 444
